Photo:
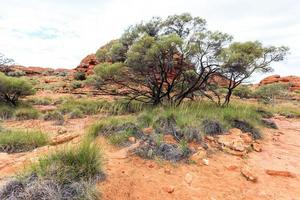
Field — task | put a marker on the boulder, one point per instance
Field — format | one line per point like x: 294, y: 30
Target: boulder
x: 87, y: 64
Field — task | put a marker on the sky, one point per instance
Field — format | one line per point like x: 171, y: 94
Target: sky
x: 59, y: 33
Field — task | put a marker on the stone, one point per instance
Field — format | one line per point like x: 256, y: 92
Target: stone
x: 280, y: 173
x: 169, y: 189
x: 198, y: 156
x: 62, y: 139
x: 238, y: 145
x: 188, y: 178
x: 257, y: 147
x: 87, y: 64
x: 235, y: 131
x: 132, y: 139
x: 246, y: 138
x: 246, y: 172
x: 62, y: 131
x: 205, y: 162
x: 232, y: 167
x: 167, y: 171
x: 210, y: 138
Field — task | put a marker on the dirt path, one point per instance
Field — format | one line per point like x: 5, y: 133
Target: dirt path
x: 132, y: 178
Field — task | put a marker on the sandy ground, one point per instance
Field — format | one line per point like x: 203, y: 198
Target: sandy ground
x: 132, y: 178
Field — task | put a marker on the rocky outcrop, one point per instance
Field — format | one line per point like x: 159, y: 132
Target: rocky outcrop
x: 87, y: 64
x: 33, y: 71
x: 293, y: 81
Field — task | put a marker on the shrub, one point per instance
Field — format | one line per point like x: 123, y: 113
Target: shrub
x: 27, y: 113
x: 82, y: 163
x: 6, y: 111
x: 212, y: 127
x: 66, y: 174
x: 11, y: 89
x: 53, y: 115
x: 79, y: 76
x: 40, y: 101
x: 12, y: 141
x: 16, y: 73
x: 76, y: 114
x: 247, y: 127
x: 76, y: 85
x: 269, y: 93
x: 242, y: 91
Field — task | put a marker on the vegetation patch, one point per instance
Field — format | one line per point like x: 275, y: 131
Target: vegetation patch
x: 247, y: 127
x: 67, y: 174
x: 13, y: 141
x: 27, y: 113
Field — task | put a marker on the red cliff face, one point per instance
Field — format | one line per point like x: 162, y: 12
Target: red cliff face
x: 87, y: 64
x: 293, y: 81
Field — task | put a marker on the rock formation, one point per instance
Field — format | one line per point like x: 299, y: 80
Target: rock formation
x: 293, y: 81
x: 87, y: 64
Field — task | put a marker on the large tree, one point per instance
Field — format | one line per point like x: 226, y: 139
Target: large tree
x: 167, y: 61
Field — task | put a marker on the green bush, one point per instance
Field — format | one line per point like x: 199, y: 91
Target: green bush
x: 12, y: 141
x: 11, y: 89
x: 76, y: 85
x: 243, y: 91
x: 27, y: 113
x: 76, y: 113
x: 74, y: 164
x: 268, y: 93
x: 53, y: 115
x: 6, y: 111
x: 40, y: 101
x: 79, y: 76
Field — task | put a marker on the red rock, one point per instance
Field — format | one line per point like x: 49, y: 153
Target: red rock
x: 169, y: 139
x: 248, y: 174
x: 257, y: 147
x: 168, y: 171
x: 169, y: 189
x: 148, y: 131
x: 62, y: 139
x: 293, y: 81
x: 132, y: 139
x: 87, y: 64
x: 232, y: 167
x: 280, y: 173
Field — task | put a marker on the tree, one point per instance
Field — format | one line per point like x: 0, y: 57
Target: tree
x: 11, y: 89
x: 168, y: 61
x: 5, y: 63
x: 242, y: 60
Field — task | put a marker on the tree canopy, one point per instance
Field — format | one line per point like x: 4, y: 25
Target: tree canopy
x: 167, y: 61
x: 11, y: 89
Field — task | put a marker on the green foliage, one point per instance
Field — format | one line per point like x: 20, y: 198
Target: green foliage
x: 53, y: 115
x: 11, y: 89
x: 120, y: 138
x: 6, y: 111
x: 27, y: 113
x: 18, y: 141
x: 76, y: 113
x: 269, y: 93
x: 74, y: 164
x: 243, y: 91
x: 76, y: 85
x: 40, y: 101
x: 79, y: 76
x: 108, y: 70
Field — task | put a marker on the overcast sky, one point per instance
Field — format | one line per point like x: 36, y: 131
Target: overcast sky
x: 59, y: 33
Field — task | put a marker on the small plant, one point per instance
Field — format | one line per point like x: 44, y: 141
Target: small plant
x: 40, y: 101
x: 79, y: 76
x: 243, y: 92
x: 76, y: 85
x: 212, y: 127
x: 67, y: 166
x: 76, y: 113
x: 6, y: 111
x: 53, y: 115
x: 12, y: 141
x: 27, y: 113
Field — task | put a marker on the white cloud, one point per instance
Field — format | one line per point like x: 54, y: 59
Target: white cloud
x: 59, y: 33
